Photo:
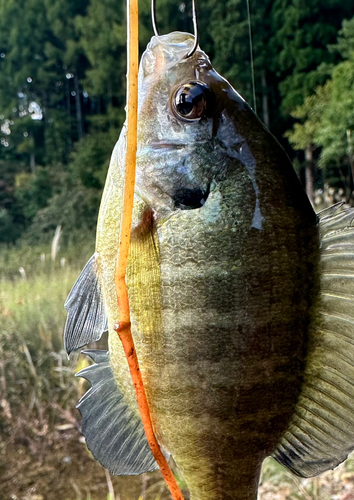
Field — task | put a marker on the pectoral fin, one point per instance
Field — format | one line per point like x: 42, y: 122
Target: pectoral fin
x: 114, y: 432
x: 87, y: 318
x: 321, y: 433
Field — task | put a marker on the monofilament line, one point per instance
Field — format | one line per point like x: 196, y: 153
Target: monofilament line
x: 251, y: 56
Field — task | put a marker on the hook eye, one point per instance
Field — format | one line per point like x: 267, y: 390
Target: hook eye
x: 191, y: 101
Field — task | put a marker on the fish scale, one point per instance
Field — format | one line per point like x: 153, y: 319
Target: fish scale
x: 207, y: 362
x: 240, y: 295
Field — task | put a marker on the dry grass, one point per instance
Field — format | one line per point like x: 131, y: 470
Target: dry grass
x: 42, y: 453
x: 278, y: 483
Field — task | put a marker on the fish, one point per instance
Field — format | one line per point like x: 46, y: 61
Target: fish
x: 241, y: 297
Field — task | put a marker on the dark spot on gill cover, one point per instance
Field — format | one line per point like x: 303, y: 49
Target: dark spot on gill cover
x: 145, y: 224
x: 189, y: 199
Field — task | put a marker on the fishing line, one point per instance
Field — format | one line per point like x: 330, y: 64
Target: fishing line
x: 153, y: 17
x: 251, y: 54
x: 196, y: 32
x: 195, y: 25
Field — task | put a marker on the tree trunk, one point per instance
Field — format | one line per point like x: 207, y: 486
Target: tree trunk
x: 350, y: 157
x: 80, y: 128
x: 32, y: 154
x: 309, y: 174
x: 265, y: 100
x: 68, y: 117
x: 32, y: 162
x: 110, y: 105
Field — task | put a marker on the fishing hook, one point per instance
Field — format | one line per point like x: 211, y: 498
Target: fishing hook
x: 195, y: 26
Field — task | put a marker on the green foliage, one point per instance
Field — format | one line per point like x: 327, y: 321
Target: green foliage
x: 33, y: 191
x: 36, y: 260
x: 74, y: 206
x: 75, y: 210
x: 304, y: 132
x: 7, y: 230
x: 62, y: 73
x: 345, y: 43
x: 90, y: 158
x: 63, y: 81
x: 335, y: 135
x: 58, y: 141
x: 337, y: 120
x: 302, y: 32
x: 105, y: 49
x: 326, y: 118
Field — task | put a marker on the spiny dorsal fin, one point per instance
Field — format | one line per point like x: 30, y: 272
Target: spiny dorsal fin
x: 114, y: 433
x: 321, y: 433
x: 86, y: 319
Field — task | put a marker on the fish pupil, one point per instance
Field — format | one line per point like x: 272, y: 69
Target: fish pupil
x: 184, y: 106
x: 190, y: 101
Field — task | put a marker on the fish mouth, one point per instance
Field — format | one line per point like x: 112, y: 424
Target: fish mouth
x: 190, y: 199
x: 171, y: 145
x: 155, y: 146
x: 167, y: 145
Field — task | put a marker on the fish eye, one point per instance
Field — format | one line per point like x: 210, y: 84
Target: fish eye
x: 190, y: 101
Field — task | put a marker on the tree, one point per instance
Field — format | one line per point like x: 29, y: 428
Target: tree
x: 63, y: 81
x: 225, y: 36
x: 327, y: 117
x: 303, y: 29
x: 304, y: 133
x: 34, y: 71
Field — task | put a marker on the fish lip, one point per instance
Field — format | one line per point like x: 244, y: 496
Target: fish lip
x: 166, y: 145
x: 172, y: 145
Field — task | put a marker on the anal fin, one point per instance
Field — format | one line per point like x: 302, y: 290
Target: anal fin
x: 114, y: 433
x: 87, y: 318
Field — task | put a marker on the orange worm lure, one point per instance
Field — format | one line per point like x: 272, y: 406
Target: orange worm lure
x: 123, y: 327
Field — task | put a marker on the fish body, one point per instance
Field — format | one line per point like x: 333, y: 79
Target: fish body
x: 224, y: 281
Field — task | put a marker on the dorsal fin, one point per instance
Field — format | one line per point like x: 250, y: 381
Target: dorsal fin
x: 321, y: 432
x: 114, y: 433
x: 87, y: 318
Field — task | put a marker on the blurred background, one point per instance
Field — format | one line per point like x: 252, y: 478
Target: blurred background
x: 62, y: 97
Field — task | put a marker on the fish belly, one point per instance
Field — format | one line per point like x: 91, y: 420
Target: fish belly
x: 219, y: 315
x: 227, y: 373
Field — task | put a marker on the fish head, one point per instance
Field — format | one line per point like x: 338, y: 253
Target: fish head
x: 186, y: 134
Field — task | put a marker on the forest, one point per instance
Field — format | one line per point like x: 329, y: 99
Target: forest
x: 62, y: 96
